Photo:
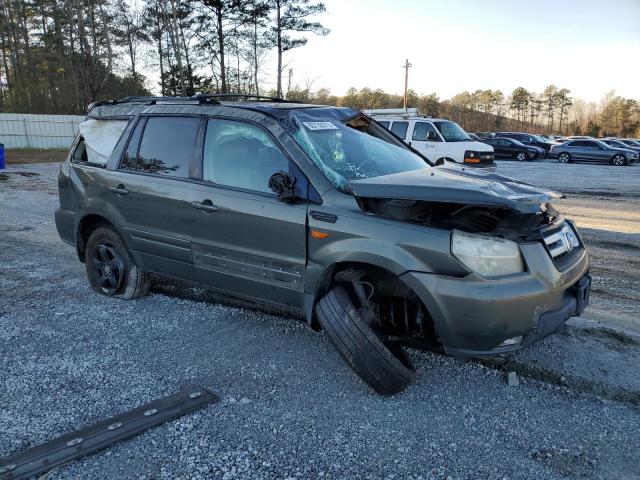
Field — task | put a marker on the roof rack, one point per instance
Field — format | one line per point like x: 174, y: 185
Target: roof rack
x: 401, y: 112
x: 261, y: 98
x: 201, y: 98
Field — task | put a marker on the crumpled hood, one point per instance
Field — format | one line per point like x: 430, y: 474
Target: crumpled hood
x: 452, y: 184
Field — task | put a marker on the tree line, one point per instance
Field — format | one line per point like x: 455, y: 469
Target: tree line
x: 60, y: 55
x: 552, y: 111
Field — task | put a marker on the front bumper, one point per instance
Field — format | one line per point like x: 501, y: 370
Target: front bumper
x: 474, y: 315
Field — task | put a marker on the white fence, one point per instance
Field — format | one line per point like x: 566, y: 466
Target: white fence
x: 22, y: 130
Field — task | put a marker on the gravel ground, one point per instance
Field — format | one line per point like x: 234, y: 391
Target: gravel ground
x: 290, y: 407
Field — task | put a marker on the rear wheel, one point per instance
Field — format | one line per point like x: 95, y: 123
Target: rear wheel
x: 564, y: 158
x: 110, y: 269
x: 619, y: 160
x: 521, y: 156
x: 384, y: 367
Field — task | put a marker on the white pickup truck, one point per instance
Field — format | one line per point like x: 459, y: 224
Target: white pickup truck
x: 438, y: 140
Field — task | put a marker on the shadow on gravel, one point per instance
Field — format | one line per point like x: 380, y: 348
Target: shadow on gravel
x: 538, y: 362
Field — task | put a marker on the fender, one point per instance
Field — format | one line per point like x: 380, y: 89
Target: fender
x: 394, y: 257
x: 94, y: 206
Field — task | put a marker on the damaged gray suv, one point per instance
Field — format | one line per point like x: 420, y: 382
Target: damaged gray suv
x: 322, y: 212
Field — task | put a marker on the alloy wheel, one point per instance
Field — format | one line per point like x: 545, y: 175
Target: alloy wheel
x: 522, y: 156
x: 108, y: 268
x: 618, y: 160
x: 563, y: 158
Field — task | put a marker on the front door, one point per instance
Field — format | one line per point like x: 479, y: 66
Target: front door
x: 246, y: 241
x: 425, y: 139
x: 590, y: 151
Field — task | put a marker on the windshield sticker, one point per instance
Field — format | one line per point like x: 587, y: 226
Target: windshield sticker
x: 320, y: 125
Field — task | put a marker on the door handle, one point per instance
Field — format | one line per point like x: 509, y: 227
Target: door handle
x: 120, y: 190
x: 205, y: 205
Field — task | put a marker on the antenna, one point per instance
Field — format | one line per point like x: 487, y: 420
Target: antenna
x: 406, y: 81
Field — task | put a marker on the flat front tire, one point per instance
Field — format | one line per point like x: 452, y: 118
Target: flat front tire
x: 385, y: 369
x: 110, y: 269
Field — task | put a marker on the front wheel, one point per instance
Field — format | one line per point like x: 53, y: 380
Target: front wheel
x: 521, y: 156
x: 110, y: 269
x: 619, y: 160
x: 564, y: 158
x: 385, y: 368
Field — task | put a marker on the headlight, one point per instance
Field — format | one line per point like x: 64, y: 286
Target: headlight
x: 487, y: 256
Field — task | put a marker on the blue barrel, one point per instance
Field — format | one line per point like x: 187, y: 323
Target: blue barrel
x: 2, y: 165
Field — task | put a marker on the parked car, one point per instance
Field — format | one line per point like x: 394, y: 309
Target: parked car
x: 474, y: 137
x: 592, y: 151
x: 504, y: 147
x: 634, y: 144
x: 321, y: 212
x: 527, y: 139
x: 438, y: 140
x: 619, y: 143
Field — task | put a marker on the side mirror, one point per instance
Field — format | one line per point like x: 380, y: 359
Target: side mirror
x: 283, y: 185
x: 431, y: 136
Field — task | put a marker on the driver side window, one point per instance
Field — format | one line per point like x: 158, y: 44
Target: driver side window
x: 424, y: 132
x: 241, y: 155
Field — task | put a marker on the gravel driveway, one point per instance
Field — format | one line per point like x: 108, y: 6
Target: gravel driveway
x: 290, y: 406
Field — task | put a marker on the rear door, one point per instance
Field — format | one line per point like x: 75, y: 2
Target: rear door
x: 498, y: 147
x: 150, y: 193
x: 508, y: 148
x: 426, y: 139
x: 246, y: 242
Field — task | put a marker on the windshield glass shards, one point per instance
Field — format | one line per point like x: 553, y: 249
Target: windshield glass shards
x: 343, y: 153
x: 452, y: 132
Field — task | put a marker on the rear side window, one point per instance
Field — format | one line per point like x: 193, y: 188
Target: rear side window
x: 384, y: 123
x: 237, y: 154
x: 166, y: 147
x: 400, y: 129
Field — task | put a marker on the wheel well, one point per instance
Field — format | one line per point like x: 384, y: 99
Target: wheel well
x: 385, y: 284
x: 86, y: 227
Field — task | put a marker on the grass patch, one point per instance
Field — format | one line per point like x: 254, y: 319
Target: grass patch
x: 22, y: 156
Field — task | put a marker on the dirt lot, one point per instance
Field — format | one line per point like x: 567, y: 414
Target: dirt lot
x: 290, y: 407
x: 21, y: 156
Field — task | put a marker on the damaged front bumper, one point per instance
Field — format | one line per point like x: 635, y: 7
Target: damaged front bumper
x: 477, y: 316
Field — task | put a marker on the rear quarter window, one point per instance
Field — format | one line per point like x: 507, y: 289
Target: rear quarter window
x: 79, y: 154
x: 400, y: 129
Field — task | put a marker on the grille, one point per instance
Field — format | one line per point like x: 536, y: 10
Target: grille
x: 563, y: 245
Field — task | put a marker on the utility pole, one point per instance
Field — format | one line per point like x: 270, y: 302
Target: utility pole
x: 406, y: 81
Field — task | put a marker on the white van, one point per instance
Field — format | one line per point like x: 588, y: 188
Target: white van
x: 438, y: 140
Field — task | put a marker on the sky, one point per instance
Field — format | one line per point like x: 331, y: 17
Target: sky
x: 586, y: 46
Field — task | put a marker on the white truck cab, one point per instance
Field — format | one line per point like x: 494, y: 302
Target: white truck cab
x: 437, y: 139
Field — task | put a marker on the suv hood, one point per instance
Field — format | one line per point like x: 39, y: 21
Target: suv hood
x: 450, y: 184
